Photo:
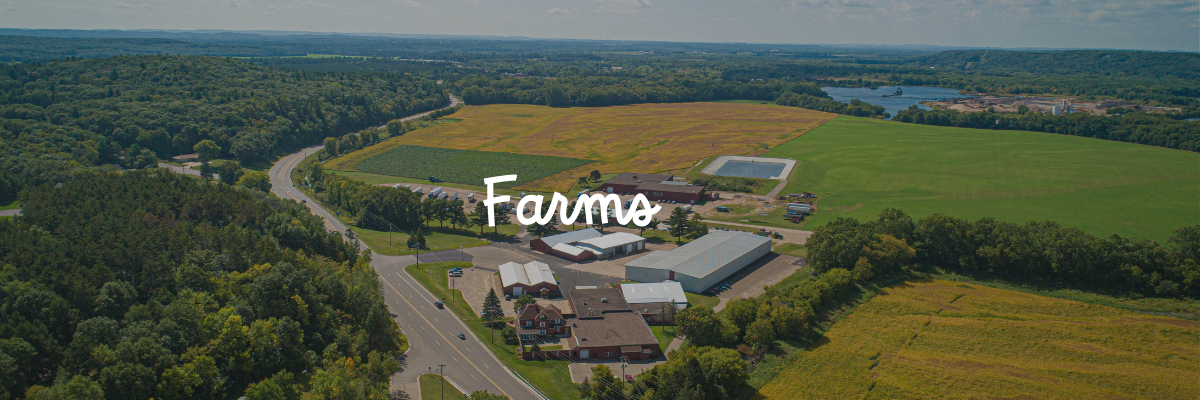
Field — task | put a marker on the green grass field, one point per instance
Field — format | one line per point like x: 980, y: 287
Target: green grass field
x: 436, y: 238
x: 466, y: 166
x: 433, y: 386
x: 859, y: 166
x: 10, y: 206
x: 696, y: 299
x: 665, y: 334
x: 550, y: 377
x: 379, y: 179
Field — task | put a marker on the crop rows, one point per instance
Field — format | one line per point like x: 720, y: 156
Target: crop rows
x: 466, y: 166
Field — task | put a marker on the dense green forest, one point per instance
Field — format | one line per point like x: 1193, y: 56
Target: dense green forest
x: 60, y: 117
x: 30, y: 48
x: 596, y: 91
x: 1133, y: 127
x: 149, y: 284
x: 1143, y: 64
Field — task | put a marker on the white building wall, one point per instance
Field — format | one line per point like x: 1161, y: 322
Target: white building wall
x: 699, y: 284
x: 647, y: 274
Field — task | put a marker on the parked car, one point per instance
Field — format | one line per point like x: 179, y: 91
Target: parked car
x: 507, y: 297
x: 722, y: 209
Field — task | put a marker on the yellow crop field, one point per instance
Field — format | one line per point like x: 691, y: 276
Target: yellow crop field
x: 941, y: 339
x: 644, y: 138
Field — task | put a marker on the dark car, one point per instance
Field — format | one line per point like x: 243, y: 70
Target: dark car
x: 438, y: 304
x: 462, y: 336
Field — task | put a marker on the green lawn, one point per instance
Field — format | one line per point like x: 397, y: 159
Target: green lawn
x: 665, y: 334
x: 791, y: 249
x: 696, y: 299
x: 433, y: 387
x: 379, y: 179
x: 859, y: 166
x: 550, y: 377
x: 10, y: 206
x: 397, y: 244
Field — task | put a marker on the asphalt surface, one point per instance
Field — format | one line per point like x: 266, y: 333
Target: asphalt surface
x: 185, y: 171
x: 432, y: 332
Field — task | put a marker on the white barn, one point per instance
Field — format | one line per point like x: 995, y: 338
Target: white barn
x: 702, y: 263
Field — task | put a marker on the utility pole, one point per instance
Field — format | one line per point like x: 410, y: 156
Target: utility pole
x: 624, y: 362
x: 442, y: 385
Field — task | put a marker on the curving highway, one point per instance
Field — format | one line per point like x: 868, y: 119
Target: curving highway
x: 432, y: 332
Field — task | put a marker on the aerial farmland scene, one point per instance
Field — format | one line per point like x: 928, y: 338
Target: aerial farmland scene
x: 599, y: 200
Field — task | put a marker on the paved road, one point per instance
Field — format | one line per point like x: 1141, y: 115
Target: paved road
x: 432, y: 333
x: 12, y: 212
x: 185, y: 171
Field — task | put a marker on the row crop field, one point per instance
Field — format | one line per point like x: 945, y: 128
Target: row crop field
x: 465, y: 166
x: 939, y: 339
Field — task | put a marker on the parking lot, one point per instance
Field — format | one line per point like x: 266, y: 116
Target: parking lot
x: 749, y: 282
x: 476, y: 281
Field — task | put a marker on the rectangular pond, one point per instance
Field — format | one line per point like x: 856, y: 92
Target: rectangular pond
x: 747, y: 169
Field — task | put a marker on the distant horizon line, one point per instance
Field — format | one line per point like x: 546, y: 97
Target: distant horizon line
x: 276, y: 32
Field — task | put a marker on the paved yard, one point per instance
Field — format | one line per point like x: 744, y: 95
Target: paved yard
x: 749, y: 282
x: 583, y: 369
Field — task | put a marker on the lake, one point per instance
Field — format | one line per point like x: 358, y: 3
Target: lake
x: 913, y: 95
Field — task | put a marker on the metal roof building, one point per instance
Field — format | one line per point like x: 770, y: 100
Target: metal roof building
x: 702, y: 263
x: 660, y: 292
x: 613, y: 244
x: 531, y: 278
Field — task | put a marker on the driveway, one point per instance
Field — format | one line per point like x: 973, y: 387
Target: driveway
x: 10, y: 212
x: 749, y: 282
x: 583, y: 369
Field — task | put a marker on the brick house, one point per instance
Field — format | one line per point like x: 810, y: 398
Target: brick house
x: 605, y: 327
x: 535, y: 321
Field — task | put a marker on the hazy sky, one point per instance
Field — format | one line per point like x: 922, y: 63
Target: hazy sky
x: 1128, y: 24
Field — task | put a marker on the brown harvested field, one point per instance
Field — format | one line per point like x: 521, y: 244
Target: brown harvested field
x: 637, y: 138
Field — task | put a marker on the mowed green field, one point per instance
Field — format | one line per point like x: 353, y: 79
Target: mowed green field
x: 859, y: 166
x: 465, y: 166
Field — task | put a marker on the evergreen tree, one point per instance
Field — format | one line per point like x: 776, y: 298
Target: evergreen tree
x: 679, y: 223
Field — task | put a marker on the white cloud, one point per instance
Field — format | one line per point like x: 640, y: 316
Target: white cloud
x: 622, y: 6
x: 238, y: 4
x: 558, y: 11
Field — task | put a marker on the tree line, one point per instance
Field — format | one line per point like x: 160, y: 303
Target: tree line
x: 1039, y: 253
x: 60, y: 117
x: 1133, y: 127
x: 856, y: 107
x: 598, y: 91
x: 150, y: 284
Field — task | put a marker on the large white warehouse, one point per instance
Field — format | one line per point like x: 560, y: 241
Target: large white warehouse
x: 702, y: 263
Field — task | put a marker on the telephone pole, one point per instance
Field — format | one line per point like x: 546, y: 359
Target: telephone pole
x: 442, y: 385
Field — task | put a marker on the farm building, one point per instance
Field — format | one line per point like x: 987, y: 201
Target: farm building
x: 533, y: 278
x: 544, y: 244
x: 605, y: 327
x: 651, y: 299
x: 613, y: 244
x: 655, y: 187
x: 702, y: 263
